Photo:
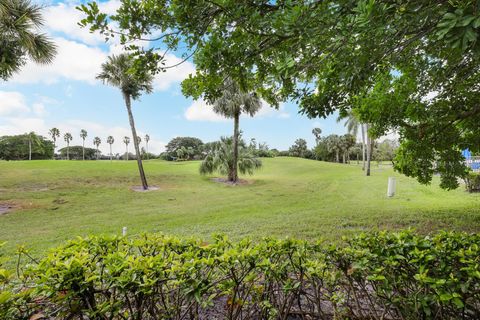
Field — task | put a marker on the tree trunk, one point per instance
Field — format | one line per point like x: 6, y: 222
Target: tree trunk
x: 54, y: 142
x: 369, y: 152
x: 110, y: 152
x: 30, y: 149
x: 97, y: 153
x: 148, y: 156
x: 363, y: 146
x: 83, y: 149
x: 68, y: 151
x: 343, y: 157
x: 233, y: 174
x: 337, y: 157
x: 135, y: 141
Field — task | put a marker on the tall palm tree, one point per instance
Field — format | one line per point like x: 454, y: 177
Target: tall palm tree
x: 54, y: 133
x: 83, y: 135
x: 68, y: 137
x: 118, y: 71
x: 97, y: 141
x: 126, y: 140
x: 233, y: 102
x: 147, y: 138
x: 20, y: 38
x: 32, y: 139
x: 110, y: 141
x: 353, y: 125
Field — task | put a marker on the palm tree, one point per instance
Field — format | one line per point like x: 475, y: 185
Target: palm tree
x: 32, y: 139
x: 54, y: 133
x: 353, y: 125
x: 317, y: 132
x: 334, y: 145
x: 139, y: 140
x: 68, y: 137
x: 118, y: 72
x: 233, y: 102
x: 97, y: 141
x: 83, y: 135
x: 126, y: 140
x: 20, y: 38
x: 221, y: 159
x: 110, y: 141
x: 147, y: 138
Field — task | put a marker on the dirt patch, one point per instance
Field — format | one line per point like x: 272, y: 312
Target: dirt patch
x: 230, y: 183
x: 5, y: 208
x: 140, y: 188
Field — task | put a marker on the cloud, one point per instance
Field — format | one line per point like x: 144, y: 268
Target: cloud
x: 20, y: 125
x: 12, y: 102
x: 74, y: 61
x: 199, y: 110
x: 63, y: 18
x: 164, y: 80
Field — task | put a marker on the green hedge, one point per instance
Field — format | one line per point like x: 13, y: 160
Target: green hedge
x: 472, y: 182
x: 372, y: 276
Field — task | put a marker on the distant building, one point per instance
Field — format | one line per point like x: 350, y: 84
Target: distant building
x: 473, y: 162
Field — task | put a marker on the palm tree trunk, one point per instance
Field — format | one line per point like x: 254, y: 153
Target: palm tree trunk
x: 233, y: 174
x: 97, y: 152
x: 30, y: 149
x: 127, y: 151
x: 83, y: 149
x: 363, y: 146
x: 337, y: 157
x: 135, y: 141
x: 68, y: 151
x: 148, y: 156
x: 54, y: 142
x: 110, y: 152
x: 343, y: 157
x: 369, y: 152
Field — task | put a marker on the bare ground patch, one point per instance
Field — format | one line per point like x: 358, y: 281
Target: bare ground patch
x: 6, y: 208
x: 140, y: 188
x: 230, y: 183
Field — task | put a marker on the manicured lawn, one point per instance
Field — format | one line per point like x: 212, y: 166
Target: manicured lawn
x: 58, y: 200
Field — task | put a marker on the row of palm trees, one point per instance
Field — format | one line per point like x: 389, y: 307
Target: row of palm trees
x: 67, y: 137
x: 353, y: 125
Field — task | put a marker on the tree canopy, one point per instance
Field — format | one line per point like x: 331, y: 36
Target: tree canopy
x: 408, y: 66
x: 20, y: 36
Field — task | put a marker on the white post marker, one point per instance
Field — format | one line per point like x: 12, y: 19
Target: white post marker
x: 391, y: 187
x: 124, y: 231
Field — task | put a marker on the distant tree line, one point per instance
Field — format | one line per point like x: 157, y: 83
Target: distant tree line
x: 341, y: 149
x: 25, y: 146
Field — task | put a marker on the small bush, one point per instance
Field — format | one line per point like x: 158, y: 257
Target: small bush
x: 472, y: 182
x: 374, y: 276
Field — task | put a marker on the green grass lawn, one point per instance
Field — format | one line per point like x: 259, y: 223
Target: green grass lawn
x: 58, y: 200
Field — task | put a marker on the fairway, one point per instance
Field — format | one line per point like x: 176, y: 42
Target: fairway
x: 58, y: 200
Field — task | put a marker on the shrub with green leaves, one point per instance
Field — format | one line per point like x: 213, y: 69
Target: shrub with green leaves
x: 472, y: 182
x: 373, y: 276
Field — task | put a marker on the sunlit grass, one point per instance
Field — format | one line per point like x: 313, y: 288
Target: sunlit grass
x: 58, y: 200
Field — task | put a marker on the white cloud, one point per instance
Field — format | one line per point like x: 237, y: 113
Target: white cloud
x: 74, y: 61
x: 164, y: 80
x: 63, y: 18
x: 20, y: 125
x: 199, y: 110
x: 12, y: 102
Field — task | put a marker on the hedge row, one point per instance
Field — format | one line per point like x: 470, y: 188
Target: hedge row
x: 373, y: 276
